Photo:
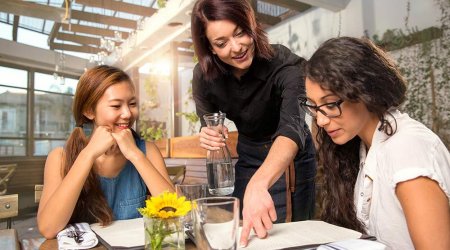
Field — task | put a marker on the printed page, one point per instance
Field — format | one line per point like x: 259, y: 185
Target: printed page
x: 122, y: 233
x: 301, y: 233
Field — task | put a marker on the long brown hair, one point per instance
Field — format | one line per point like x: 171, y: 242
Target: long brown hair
x: 237, y: 11
x: 91, y: 205
x: 356, y: 71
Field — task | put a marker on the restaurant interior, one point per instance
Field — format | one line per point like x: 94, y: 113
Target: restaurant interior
x: 45, y: 45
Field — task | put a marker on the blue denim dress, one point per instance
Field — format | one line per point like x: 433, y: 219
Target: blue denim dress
x: 126, y: 192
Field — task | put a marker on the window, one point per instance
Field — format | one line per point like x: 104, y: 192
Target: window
x: 53, y: 120
x: 51, y: 113
x: 13, y: 111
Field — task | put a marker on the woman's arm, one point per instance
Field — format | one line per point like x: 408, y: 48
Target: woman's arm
x: 259, y: 210
x: 427, y: 213
x: 60, y: 194
x: 151, y: 166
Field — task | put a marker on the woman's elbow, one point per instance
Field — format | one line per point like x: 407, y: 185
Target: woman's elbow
x: 47, y: 230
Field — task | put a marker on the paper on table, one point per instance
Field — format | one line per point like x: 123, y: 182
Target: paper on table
x: 219, y: 235
x: 122, y: 233
x: 301, y: 233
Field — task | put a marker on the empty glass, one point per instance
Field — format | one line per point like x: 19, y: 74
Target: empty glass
x: 191, y: 192
x: 216, y: 222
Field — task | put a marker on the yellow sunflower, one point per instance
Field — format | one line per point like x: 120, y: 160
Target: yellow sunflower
x: 166, y: 205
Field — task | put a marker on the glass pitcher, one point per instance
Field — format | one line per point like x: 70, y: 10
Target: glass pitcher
x: 219, y: 168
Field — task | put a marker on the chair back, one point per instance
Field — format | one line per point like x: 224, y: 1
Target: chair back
x: 6, y: 172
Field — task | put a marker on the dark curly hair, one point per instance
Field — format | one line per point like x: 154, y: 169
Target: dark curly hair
x: 355, y: 70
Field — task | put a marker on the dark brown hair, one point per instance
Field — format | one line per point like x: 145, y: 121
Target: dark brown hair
x: 237, y: 11
x: 356, y: 71
x: 91, y: 205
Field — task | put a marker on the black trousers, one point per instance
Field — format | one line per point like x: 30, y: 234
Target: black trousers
x: 251, y: 156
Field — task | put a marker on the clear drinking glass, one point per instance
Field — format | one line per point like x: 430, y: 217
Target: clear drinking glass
x: 216, y: 222
x: 219, y: 168
x: 191, y: 192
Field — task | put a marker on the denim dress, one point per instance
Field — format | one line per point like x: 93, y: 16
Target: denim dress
x: 126, y: 192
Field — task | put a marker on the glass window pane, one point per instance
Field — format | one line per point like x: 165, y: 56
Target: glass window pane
x: 13, y: 112
x: 13, y: 77
x: 12, y: 147
x: 52, y: 115
x: 43, y: 147
x: 49, y: 83
x: 6, y: 31
x: 32, y: 38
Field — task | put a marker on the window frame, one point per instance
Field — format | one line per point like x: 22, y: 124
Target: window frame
x: 30, y: 115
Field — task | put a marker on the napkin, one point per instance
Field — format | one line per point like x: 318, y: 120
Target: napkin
x: 77, y: 236
x: 353, y: 244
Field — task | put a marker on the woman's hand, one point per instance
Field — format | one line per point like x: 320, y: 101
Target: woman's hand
x: 101, y: 140
x: 126, y: 144
x: 211, y: 139
x: 258, y: 213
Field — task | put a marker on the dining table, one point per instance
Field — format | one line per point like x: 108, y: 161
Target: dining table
x: 52, y: 244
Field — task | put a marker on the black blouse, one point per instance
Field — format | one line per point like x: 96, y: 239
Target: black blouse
x: 263, y: 103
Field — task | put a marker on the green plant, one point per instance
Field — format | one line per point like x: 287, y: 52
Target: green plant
x: 153, y: 133
x: 192, y: 119
x: 423, y: 59
x: 161, y: 3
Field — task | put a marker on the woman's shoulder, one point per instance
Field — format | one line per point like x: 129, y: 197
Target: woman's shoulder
x: 57, y: 152
x: 285, y: 56
x: 413, y: 141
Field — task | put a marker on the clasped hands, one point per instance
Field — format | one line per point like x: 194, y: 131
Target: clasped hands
x: 103, y: 139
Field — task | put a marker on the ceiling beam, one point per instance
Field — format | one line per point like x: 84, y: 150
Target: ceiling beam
x: 76, y: 48
x: 267, y: 19
x: 185, y: 45
x: 24, y: 8
x: 87, y: 40
x: 185, y: 53
x: 108, y: 20
x: 15, y: 27
x: 333, y: 5
x: 91, y: 30
x: 53, y: 32
x: 289, y: 4
x: 119, y: 6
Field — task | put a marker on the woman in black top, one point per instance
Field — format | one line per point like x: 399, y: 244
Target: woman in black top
x: 257, y: 85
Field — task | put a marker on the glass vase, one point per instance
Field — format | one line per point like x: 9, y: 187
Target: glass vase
x: 164, y: 233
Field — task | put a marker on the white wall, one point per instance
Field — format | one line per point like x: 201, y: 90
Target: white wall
x: 304, y: 33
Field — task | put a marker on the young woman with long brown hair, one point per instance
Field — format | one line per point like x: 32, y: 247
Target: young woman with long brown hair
x: 385, y: 174
x: 104, y: 176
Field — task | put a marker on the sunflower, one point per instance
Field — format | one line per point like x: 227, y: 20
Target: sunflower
x: 166, y: 205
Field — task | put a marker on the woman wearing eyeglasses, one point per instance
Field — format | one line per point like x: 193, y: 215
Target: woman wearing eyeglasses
x: 397, y: 169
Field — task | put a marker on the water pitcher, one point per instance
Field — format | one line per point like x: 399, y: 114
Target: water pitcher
x: 219, y: 169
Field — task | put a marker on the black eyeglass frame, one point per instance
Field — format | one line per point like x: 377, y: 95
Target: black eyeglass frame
x: 307, y: 108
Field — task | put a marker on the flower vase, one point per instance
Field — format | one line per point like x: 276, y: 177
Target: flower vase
x: 163, y: 233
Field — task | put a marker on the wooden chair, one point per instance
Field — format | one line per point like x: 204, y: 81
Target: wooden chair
x: 9, y: 207
x: 6, y: 172
x: 9, y: 239
x: 38, y: 192
x: 177, y: 173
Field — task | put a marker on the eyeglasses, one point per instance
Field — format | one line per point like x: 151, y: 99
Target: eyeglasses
x: 330, y: 110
